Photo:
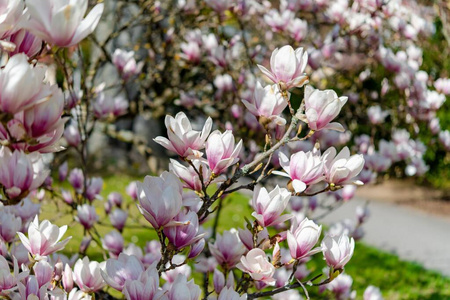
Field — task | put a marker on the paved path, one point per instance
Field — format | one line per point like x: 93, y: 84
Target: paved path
x: 411, y: 234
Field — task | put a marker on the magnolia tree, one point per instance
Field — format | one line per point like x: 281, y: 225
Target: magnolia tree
x: 252, y: 124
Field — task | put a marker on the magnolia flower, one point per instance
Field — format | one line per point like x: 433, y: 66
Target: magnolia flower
x: 182, y: 139
x: 87, y: 216
x: 298, y: 29
x: 268, y: 102
x: 93, y: 189
x: 61, y: 22
x: 26, y: 43
x: 126, y: 64
x: 442, y: 85
x: 341, y: 287
x: 372, y: 293
x: 19, y: 75
x: 11, y: 14
x: 106, y: 107
x: 279, y: 21
x: 10, y: 224
x: 303, y: 168
x: 118, y: 218
x: 72, y: 135
x: 8, y: 281
x: 20, y: 173
x: 160, y: 198
x: 341, y: 169
x: 337, y: 251
x: 221, y: 151
x: 191, y: 52
x: 258, y: 266
x: 287, y: 67
x: 228, y: 293
x: 145, y: 287
x: 269, y: 206
x: 189, y: 175
x: 183, y: 289
x: 113, y: 242
x: 118, y: 271
x: 376, y: 115
x: 185, y: 234
x: 87, y: 275
x: 43, y: 239
x: 227, y: 249
x: 321, y: 107
x: 303, y: 237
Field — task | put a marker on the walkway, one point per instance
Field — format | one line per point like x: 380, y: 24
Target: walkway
x: 411, y: 234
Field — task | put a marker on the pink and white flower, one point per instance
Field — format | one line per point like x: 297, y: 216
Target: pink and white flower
x: 258, y: 266
x: 221, y: 151
x: 44, y: 238
x: 61, y: 23
x: 160, y: 198
x: 303, y: 237
x: 321, y: 107
x: 270, y: 206
x: 183, y: 140
x: 304, y: 169
x: 342, y: 168
x: 287, y: 67
x: 337, y: 250
x: 87, y: 275
x: 267, y: 102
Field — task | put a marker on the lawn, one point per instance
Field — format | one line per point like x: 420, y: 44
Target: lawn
x: 369, y: 266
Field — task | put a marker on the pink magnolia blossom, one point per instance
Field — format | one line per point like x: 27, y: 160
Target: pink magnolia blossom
x: 118, y: 271
x: 10, y: 224
x: 183, y: 140
x: 72, y: 135
x: 303, y: 237
x: 185, y: 234
x: 11, y: 14
x: 376, y: 115
x: 145, y: 287
x: 227, y: 248
x: 8, y: 280
x: 44, y: 238
x: 26, y: 43
x: 372, y: 293
x: 341, y: 169
x: 118, y: 218
x: 61, y: 23
x: 87, y: 275
x: 106, y: 107
x: 93, y: 189
x: 86, y: 215
x: 21, y: 85
x: 191, y: 52
x: 43, y: 272
x: 189, y: 176
x: 20, y: 173
x: 126, y: 64
x: 258, y: 266
x: 246, y: 238
x: 183, y: 289
x: 303, y: 169
x: 76, y: 179
x: 228, y: 293
x: 287, y: 67
x: 337, y: 250
x: 341, y: 287
x: 321, y: 107
x: 113, y: 242
x: 160, y: 198
x: 298, y: 29
x: 221, y: 151
x: 442, y: 85
x: 270, y: 206
x: 267, y: 102
x: 278, y: 21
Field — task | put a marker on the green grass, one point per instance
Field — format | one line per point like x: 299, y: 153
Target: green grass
x: 397, y: 279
